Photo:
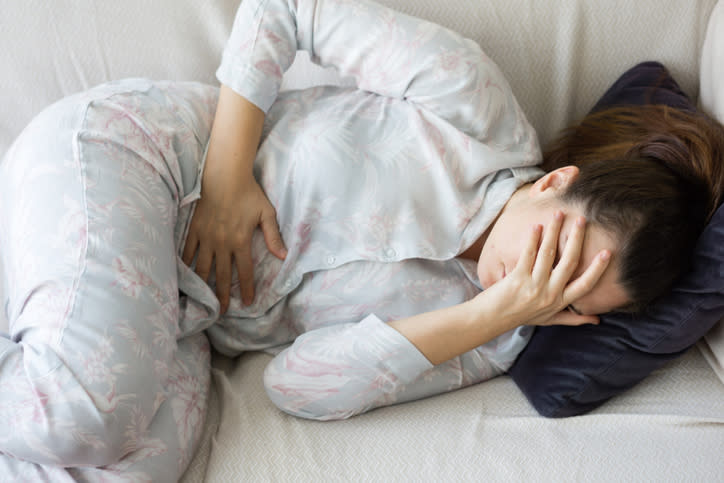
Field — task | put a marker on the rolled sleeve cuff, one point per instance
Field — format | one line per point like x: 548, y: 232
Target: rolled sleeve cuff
x: 400, y: 357
x: 249, y: 82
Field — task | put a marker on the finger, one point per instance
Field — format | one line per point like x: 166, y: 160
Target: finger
x: 245, y: 268
x: 530, y: 250
x: 548, y: 248
x: 203, y: 262
x: 571, y: 256
x: 585, y: 283
x: 272, y: 236
x: 223, y: 279
x: 568, y: 317
x: 192, y: 243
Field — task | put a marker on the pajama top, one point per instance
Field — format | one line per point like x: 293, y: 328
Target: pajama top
x: 377, y: 189
x: 106, y: 367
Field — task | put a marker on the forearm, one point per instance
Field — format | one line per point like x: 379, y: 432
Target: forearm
x: 342, y: 370
x: 447, y: 333
x: 235, y: 136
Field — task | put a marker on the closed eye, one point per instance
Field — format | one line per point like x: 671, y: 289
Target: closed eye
x: 574, y: 310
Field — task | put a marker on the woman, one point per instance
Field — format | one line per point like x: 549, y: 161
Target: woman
x: 398, y: 201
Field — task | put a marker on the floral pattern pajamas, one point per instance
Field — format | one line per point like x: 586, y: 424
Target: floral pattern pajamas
x: 97, y: 370
x: 105, y: 371
x: 377, y: 189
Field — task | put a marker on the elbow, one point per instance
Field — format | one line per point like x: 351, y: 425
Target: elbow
x: 307, y: 390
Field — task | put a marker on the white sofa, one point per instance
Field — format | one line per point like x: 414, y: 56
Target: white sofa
x: 560, y: 56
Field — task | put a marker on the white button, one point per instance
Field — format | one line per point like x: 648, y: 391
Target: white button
x: 331, y: 260
x: 390, y: 253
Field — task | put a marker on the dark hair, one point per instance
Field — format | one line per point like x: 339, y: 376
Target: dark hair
x: 651, y: 175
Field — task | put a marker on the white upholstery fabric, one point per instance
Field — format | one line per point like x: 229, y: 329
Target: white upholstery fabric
x: 712, y: 346
x: 669, y: 428
x: 559, y: 55
x: 712, y: 65
x: 53, y: 49
x: 712, y: 100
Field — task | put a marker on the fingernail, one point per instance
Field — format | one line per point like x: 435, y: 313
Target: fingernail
x: 605, y: 255
x: 580, y: 221
x: 558, y: 215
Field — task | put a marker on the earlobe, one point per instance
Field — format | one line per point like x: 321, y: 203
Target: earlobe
x: 555, y: 180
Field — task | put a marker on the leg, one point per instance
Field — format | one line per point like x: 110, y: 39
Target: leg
x: 90, y: 197
x: 165, y: 448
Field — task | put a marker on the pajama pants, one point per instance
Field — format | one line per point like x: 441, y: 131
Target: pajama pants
x: 105, y: 371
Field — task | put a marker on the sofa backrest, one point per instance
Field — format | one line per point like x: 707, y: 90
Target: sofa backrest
x: 559, y: 55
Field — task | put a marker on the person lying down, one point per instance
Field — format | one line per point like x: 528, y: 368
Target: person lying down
x: 389, y: 242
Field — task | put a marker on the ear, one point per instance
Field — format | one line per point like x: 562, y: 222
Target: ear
x: 556, y: 181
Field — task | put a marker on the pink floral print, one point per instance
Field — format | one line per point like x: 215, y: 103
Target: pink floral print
x: 105, y: 373
x: 96, y: 371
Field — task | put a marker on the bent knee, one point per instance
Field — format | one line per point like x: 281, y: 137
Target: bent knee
x: 57, y: 418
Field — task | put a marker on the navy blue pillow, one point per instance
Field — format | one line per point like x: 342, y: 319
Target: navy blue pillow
x: 568, y: 371
x: 646, y: 83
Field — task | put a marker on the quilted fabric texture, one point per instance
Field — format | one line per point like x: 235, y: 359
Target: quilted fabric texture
x: 668, y: 428
x: 557, y: 55
x: 567, y: 371
x: 712, y: 101
x: 712, y: 67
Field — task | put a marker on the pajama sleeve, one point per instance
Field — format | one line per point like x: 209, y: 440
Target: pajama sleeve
x: 386, y: 52
x: 343, y: 370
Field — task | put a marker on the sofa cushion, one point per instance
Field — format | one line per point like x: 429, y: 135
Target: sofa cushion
x: 567, y: 371
x: 712, y: 101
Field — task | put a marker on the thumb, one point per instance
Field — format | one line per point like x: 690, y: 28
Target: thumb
x: 272, y: 237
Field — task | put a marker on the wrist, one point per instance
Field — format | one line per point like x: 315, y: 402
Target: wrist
x: 235, y: 136
x: 489, y: 316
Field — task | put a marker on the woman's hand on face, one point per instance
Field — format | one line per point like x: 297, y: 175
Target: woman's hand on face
x: 538, y: 290
x: 221, y: 232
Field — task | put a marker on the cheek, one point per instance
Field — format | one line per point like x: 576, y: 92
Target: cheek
x: 483, y: 271
x: 486, y: 262
x: 494, y: 258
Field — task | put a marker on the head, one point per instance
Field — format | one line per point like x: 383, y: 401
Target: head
x: 646, y: 190
x: 536, y: 204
